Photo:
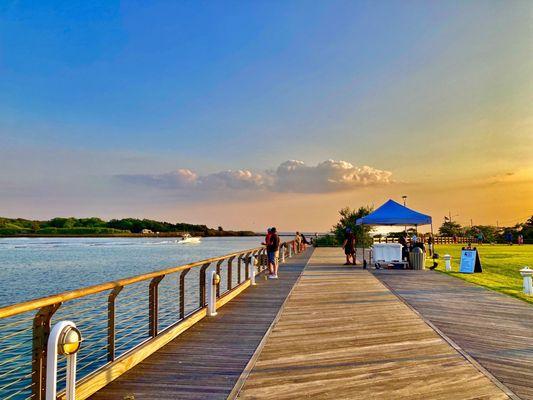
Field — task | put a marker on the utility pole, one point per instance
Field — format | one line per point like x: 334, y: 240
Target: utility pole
x: 404, y: 197
x: 471, y: 224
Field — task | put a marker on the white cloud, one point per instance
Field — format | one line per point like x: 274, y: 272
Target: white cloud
x: 327, y: 176
x: 179, y: 179
x: 291, y: 176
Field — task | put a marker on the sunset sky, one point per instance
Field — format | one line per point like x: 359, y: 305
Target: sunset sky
x: 250, y: 114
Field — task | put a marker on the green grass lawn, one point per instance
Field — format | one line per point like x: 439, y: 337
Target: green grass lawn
x: 500, y: 264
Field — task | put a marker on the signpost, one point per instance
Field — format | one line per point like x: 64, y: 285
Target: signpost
x: 470, y: 261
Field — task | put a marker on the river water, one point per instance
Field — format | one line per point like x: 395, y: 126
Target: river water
x: 36, y: 267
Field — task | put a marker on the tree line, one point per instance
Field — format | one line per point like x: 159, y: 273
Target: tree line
x: 97, y: 226
x: 490, y: 233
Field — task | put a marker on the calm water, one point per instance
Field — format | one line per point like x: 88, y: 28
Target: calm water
x: 36, y: 267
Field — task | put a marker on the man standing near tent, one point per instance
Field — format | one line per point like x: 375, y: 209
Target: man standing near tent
x: 349, y: 247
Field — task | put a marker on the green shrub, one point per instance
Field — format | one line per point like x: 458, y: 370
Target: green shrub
x: 327, y: 241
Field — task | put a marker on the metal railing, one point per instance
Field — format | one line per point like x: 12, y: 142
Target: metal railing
x: 437, y: 239
x: 116, y: 318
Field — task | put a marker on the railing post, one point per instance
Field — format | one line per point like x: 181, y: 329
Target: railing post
x: 182, y: 292
x: 111, y: 322
x: 213, y: 280
x: 41, y: 332
x: 290, y: 250
x: 282, y: 253
x: 239, y: 266
x: 219, y: 264
x: 526, y: 273
x: 153, y: 304
x: 230, y: 271
x: 247, y: 266
x: 251, y: 270
x: 202, y: 284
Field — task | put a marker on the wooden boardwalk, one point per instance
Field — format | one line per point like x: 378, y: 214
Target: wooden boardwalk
x: 495, y: 329
x: 206, y: 361
x: 343, y: 335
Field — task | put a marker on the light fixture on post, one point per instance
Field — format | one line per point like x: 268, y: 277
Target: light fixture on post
x: 65, y: 339
x: 404, y: 197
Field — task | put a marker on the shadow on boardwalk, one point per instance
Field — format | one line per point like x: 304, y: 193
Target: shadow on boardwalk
x: 495, y: 329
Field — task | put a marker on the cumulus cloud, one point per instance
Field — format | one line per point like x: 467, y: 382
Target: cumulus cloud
x: 179, y: 179
x: 291, y: 176
x: 327, y: 176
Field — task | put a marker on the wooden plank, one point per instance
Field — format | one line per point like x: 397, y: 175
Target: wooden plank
x: 206, y: 360
x: 494, y: 329
x: 343, y: 334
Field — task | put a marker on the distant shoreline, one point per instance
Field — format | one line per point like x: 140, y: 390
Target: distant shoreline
x: 124, y: 235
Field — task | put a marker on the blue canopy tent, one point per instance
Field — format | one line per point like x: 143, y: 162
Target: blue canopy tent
x: 392, y: 213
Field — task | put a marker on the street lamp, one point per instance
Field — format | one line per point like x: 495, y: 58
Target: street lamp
x: 64, y: 339
x: 404, y: 197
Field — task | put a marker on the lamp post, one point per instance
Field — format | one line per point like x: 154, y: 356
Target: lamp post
x: 404, y: 197
x: 65, y: 339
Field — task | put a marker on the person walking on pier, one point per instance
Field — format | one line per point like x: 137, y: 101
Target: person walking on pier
x: 272, y: 246
x: 349, y: 247
x: 298, y: 242
x: 305, y: 243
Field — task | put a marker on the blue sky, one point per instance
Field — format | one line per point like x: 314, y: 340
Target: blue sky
x: 94, y: 90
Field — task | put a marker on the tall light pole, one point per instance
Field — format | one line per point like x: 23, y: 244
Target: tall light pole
x: 404, y: 197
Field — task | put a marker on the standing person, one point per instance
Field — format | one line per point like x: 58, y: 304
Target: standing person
x: 405, y: 246
x: 304, y: 242
x: 520, y: 239
x: 430, y: 245
x: 349, y: 247
x: 298, y: 241
x: 480, y: 237
x: 509, y: 238
x: 273, y: 253
x: 265, y: 243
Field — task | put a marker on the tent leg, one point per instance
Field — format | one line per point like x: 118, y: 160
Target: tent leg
x: 433, y: 241
x: 363, y: 234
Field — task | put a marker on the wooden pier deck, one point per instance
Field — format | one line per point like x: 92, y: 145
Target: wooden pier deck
x: 344, y: 335
x: 327, y: 331
x: 205, y: 361
x: 495, y: 329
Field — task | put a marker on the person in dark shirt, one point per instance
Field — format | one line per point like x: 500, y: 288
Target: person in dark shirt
x: 349, y: 247
x: 405, y: 247
x: 430, y: 245
x: 272, y: 247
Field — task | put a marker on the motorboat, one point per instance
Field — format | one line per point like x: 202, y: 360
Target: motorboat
x: 188, y: 239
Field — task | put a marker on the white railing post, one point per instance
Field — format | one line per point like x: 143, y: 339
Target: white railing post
x: 290, y: 250
x: 282, y: 254
x: 64, y: 339
x: 528, y: 285
x: 447, y: 260
x: 251, y: 270
x: 212, y: 281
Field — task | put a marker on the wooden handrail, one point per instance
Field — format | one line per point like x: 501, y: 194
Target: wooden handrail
x: 35, y: 304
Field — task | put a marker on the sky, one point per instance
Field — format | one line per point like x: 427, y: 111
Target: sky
x: 248, y: 114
